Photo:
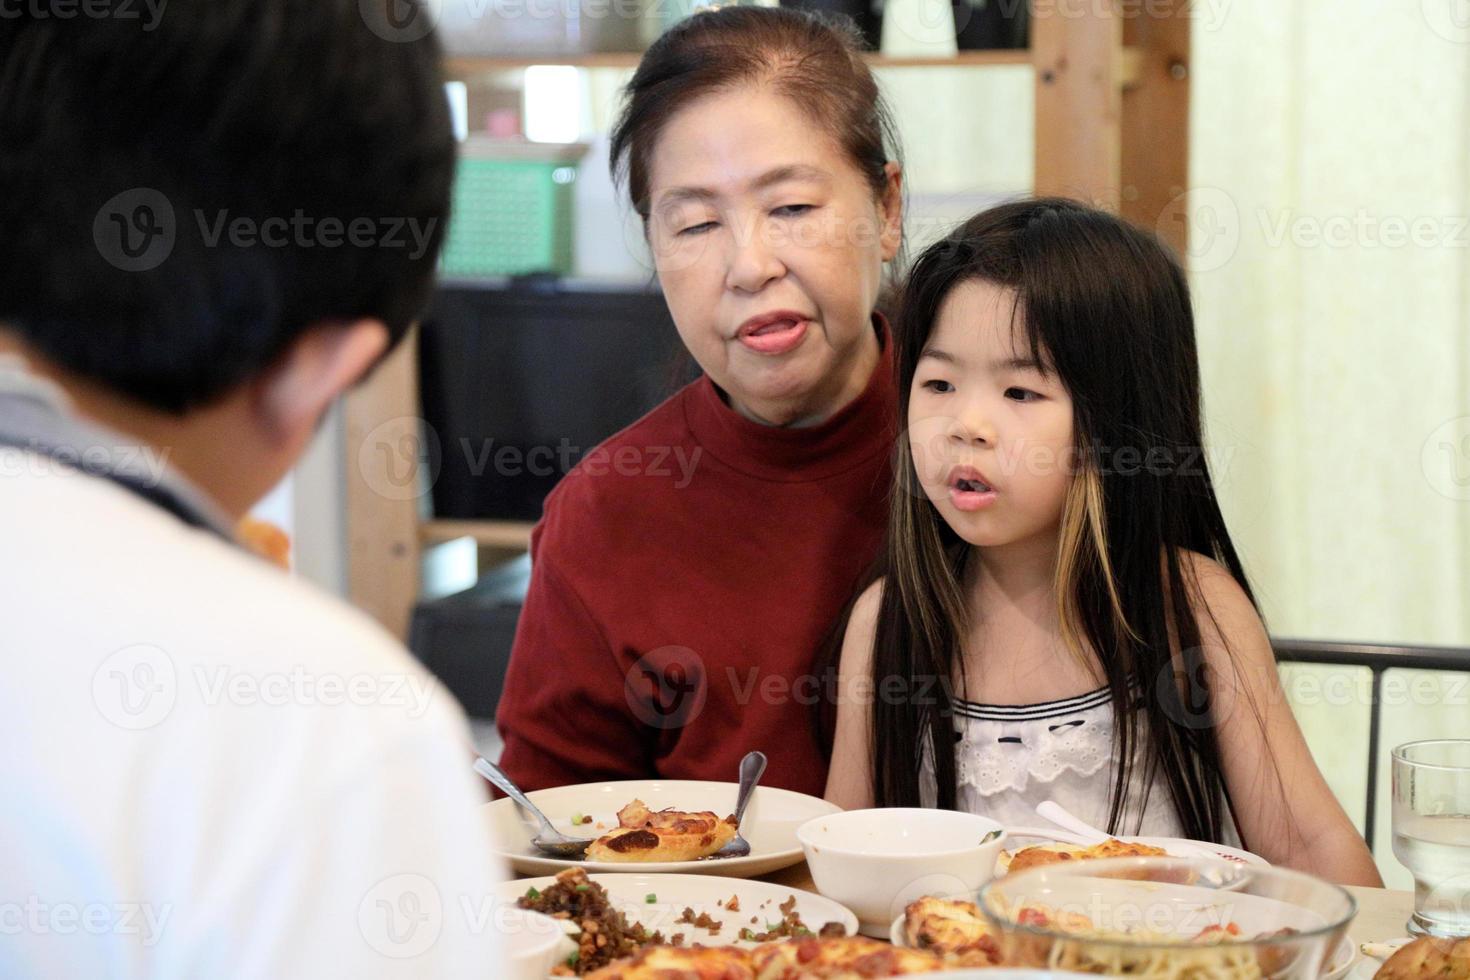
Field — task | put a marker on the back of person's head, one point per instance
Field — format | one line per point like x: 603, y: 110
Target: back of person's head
x: 190, y: 189
x: 1105, y: 309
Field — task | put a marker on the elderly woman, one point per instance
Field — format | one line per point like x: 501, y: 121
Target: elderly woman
x: 686, y: 572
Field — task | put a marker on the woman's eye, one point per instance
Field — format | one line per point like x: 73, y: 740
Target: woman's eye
x: 698, y: 229
x: 938, y: 386
x: 792, y: 210
x: 1021, y: 394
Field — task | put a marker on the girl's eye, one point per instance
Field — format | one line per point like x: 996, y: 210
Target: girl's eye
x: 938, y: 386
x: 792, y: 210
x: 1021, y: 394
x: 698, y: 229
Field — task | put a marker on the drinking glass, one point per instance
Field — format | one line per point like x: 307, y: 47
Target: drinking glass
x: 1431, y: 832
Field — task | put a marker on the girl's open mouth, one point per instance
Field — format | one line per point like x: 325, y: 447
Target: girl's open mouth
x: 969, y: 490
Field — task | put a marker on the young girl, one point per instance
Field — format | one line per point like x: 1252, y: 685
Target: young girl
x: 1061, y: 613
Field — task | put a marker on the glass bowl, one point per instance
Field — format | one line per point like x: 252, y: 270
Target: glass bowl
x: 1180, y: 918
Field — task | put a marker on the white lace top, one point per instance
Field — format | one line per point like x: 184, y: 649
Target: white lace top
x: 1008, y: 758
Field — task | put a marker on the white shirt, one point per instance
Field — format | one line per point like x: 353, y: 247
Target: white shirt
x: 211, y: 770
x: 1008, y: 758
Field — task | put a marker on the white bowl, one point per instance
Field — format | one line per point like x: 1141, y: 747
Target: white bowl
x: 876, y: 862
x: 532, y: 943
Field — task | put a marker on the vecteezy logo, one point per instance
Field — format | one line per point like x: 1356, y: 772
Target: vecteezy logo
x: 931, y: 884
x: 400, y: 458
x: 134, y: 231
x: 401, y: 916
x: 400, y: 20
x: 135, y: 688
x: 1446, y: 908
x: 1445, y: 459
x: 1211, y: 227
x: 1198, y: 705
x: 667, y: 688
x: 1450, y: 19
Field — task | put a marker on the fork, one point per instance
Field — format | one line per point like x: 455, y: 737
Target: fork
x: 752, y: 767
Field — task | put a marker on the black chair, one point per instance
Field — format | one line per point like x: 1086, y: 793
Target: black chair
x: 465, y: 639
x: 1377, y: 657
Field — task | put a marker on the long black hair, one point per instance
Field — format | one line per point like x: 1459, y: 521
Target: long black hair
x: 1106, y: 307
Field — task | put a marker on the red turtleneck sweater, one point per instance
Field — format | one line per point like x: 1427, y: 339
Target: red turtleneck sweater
x: 684, y: 575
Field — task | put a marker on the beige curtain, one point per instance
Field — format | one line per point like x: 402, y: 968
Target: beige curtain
x: 1330, y: 210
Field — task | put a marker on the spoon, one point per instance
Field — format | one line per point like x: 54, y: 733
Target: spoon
x: 550, y: 840
x: 752, y: 768
x: 1062, y: 817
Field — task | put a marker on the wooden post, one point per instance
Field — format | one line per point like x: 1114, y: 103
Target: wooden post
x: 1112, y: 107
x: 1077, y: 51
x: 1155, y: 172
x: 384, y: 482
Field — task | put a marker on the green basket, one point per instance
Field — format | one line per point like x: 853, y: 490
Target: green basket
x: 512, y: 209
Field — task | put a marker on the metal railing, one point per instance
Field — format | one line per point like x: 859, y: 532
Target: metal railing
x: 1377, y: 657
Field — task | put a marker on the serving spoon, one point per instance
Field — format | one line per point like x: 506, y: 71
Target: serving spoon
x: 550, y: 840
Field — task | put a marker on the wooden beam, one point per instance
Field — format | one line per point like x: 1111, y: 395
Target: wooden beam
x: 514, y: 535
x: 1155, y: 161
x: 384, y: 482
x: 1077, y: 52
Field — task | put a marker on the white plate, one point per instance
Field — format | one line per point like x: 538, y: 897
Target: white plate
x: 1343, y: 960
x: 770, y: 824
x: 703, y: 893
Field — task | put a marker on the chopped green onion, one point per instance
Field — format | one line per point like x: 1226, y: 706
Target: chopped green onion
x: 576, y: 819
x: 533, y: 893
x: 576, y: 954
x: 584, y: 888
x: 650, y: 898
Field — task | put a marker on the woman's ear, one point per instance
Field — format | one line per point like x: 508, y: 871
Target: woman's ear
x: 892, y: 205
x: 322, y: 363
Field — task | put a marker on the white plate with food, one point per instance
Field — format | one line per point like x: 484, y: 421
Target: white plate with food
x: 633, y: 910
x: 592, y: 810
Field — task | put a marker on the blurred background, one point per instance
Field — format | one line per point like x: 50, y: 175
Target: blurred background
x: 1310, y: 160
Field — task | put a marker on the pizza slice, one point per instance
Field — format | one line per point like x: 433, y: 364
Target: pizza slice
x: 954, y: 929
x: 1045, y: 854
x: 839, y: 958
x: 683, y: 962
x: 644, y: 835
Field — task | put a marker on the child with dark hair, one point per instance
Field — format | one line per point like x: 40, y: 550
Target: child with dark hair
x: 1061, y: 613
x: 215, y: 221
